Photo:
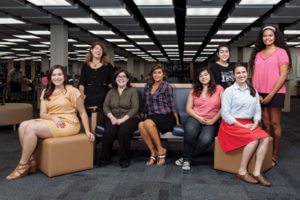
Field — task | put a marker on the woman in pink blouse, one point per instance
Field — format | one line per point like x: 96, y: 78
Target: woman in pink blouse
x: 271, y: 61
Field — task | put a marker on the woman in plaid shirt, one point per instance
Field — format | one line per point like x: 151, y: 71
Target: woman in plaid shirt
x: 161, y: 114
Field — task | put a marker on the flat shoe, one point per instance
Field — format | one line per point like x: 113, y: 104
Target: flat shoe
x: 247, y: 178
x: 262, y: 180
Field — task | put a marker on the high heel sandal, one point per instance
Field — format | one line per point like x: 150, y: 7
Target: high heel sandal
x: 151, y: 161
x: 20, y: 171
x: 33, y: 165
x: 161, y: 159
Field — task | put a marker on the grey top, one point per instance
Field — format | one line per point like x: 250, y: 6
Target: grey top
x: 120, y: 105
x: 238, y: 103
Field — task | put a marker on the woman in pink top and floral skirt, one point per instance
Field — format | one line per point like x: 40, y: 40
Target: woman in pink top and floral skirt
x: 204, y: 110
x: 271, y: 61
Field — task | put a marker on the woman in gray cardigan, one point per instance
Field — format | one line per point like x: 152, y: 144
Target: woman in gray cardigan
x: 121, y: 107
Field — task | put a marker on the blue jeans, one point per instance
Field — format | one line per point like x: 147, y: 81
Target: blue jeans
x: 197, y: 137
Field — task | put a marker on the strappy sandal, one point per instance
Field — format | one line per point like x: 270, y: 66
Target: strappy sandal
x: 161, y: 159
x: 20, y: 171
x: 151, y: 161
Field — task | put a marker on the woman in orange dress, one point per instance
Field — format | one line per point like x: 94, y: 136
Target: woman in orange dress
x: 59, y: 103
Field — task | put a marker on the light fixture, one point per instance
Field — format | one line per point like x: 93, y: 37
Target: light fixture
x: 259, y: 2
x: 207, y: 52
x: 170, y: 45
x: 209, y: 49
x: 15, y: 40
x: 8, y: 43
x: 39, y: 32
x: 111, y: 11
x: 291, y: 32
x: 160, y: 20
x: 228, y: 32
x: 220, y: 40
x: 171, y: 49
x: 208, y: 11
x: 190, y: 51
x: 102, y: 32
x: 19, y: 49
x: 81, y: 51
x: 212, y: 45
x: 125, y: 45
x: 153, y: 2
x: 37, y: 52
x: 145, y: 43
x: 116, y: 40
x: 188, y: 54
x: 173, y: 55
x: 164, y: 32
x: 26, y: 36
x: 293, y: 43
x: 23, y: 55
x: 72, y: 40
x: 172, y: 52
x: 156, y: 54
x: 81, y: 20
x: 153, y: 51
x: 240, y: 20
x: 38, y: 45
x: 192, y: 43
x: 1, y: 45
x: 47, y: 43
x: 50, y: 3
x: 9, y: 20
x: 81, y: 45
x: 138, y: 36
x: 132, y: 49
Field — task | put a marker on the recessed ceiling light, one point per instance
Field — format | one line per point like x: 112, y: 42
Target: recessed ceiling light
x: 23, y: 55
x: 1, y: 45
x: 132, y: 49
x: 188, y: 54
x: 228, y: 32
x: 164, y: 32
x: 26, y: 36
x: 171, y: 49
x: 160, y: 20
x: 72, y: 40
x: 192, y: 43
x: 7, y: 20
x: 170, y: 45
x: 38, y: 45
x: 145, y: 43
x: 153, y: 51
x: 207, y: 52
x: 39, y: 32
x: 138, y: 36
x: 8, y: 57
x: 202, y: 57
x: 116, y: 40
x: 173, y: 55
x: 50, y: 3
x: 15, y: 40
x: 8, y: 43
x: 240, y: 20
x: 292, y: 32
x: 203, y: 11
x: 102, y: 32
x: 156, y: 54
x: 138, y: 52
x: 81, y: 20
x: 220, y: 40
x: 81, y: 45
x: 209, y: 49
x: 172, y: 52
x: 125, y: 45
x: 48, y: 43
x: 153, y: 2
x: 258, y: 2
x: 81, y: 51
x: 19, y: 49
x: 293, y: 43
x: 212, y: 45
x: 190, y: 51
x: 37, y: 52
x: 111, y: 11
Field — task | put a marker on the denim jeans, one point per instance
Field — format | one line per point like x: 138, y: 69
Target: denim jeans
x: 197, y: 137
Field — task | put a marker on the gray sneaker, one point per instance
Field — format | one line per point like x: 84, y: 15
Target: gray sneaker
x: 179, y: 162
x: 186, y: 166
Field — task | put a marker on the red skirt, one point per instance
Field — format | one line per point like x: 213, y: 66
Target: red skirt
x: 232, y: 137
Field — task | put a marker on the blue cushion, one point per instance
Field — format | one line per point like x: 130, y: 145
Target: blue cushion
x: 178, y: 131
x: 99, y: 130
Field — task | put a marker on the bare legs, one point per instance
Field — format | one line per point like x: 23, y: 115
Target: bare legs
x: 150, y: 136
x: 29, y: 132
x: 271, y: 120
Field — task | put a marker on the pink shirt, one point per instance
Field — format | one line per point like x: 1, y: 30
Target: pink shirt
x: 208, y: 107
x: 267, y: 70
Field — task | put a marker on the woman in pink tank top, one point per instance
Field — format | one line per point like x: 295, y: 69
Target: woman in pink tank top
x: 270, y: 62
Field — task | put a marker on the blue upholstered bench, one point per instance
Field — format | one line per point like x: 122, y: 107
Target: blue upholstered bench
x: 180, y: 93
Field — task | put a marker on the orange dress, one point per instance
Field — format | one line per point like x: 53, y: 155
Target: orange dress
x: 63, y: 105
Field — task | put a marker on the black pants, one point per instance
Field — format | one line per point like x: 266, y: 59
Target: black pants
x: 123, y: 133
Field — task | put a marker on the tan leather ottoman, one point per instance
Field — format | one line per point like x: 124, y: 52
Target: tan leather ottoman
x: 62, y: 155
x: 230, y: 161
x: 15, y: 113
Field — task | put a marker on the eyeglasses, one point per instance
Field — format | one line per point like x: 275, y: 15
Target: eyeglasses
x: 122, y: 77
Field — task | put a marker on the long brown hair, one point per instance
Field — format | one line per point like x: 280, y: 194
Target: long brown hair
x: 155, y: 67
x: 50, y: 86
x: 119, y: 71
x: 104, y: 58
x: 198, y: 87
x: 250, y: 86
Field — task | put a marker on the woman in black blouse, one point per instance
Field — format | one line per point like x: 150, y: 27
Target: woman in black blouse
x: 96, y: 75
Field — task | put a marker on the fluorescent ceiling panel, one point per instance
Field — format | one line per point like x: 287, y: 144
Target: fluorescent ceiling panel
x: 171, y: 49
x: 145, y: 43
x: 132, y: 49
x: 111, y: 11
x: 153, y: 2
x: 220, y: 40
x: 48, y: 43
x: 50, y: 2
x: 212, y: 45
x: 228, y: 32
x: 125, y: 45
x: 26, y: 36
x: 202, y: 11
x: 102, y: 32
x: 39, y: 32
x: 160, y: 20
x: 8, y: 20
x: 15, y: 40
x: 292, y: 32
x: 207, y: 53
x: 164, y: 32
x: 19, y: 49
x: 138, y: 36
x: 170, y: 45
x: 38, y: 45
x: 293, y: 43
x: 154, y: 51
x: 81, y: 45
x: 190, y: 51
x: 240, y: 20
x: 72, y: 40
x: 116, y: 40
x: 192, y: 43
x: 209, y: 49
x: 1, y: 45
x: 259, y: 2
x: 81, y: 20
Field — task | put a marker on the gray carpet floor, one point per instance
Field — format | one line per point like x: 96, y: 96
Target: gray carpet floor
x: 165, y: 182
